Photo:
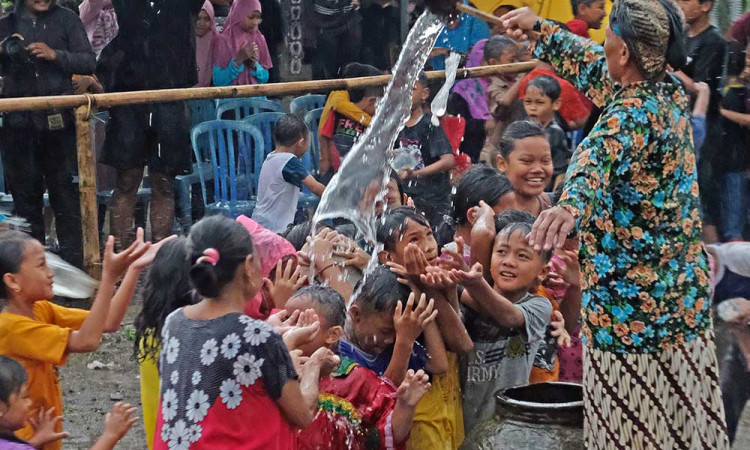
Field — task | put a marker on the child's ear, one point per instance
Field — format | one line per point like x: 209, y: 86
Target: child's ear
x: 355, y: 313
x: 11, y: 283
x: 492, y: 62
x: 556, y: 104
x: 425, y: 93
x: 334, y: 334
x: 501, y: 165
x: 3, y: 409
x: 384, y: 256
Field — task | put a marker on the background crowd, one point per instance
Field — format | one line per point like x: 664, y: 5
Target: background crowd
x: 251, y: 331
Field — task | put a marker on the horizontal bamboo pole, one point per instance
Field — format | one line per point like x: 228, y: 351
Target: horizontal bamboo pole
x: 99, y: 101
x: 489, y: 18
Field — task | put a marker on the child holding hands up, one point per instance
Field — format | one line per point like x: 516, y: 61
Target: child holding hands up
x: 41, y: 335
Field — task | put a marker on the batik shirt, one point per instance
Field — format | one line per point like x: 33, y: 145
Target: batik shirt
x: 632, y: 187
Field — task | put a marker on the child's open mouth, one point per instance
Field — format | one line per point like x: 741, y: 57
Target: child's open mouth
x: 505, y: 274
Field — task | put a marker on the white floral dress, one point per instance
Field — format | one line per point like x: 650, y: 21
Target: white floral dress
x: 219, y: 382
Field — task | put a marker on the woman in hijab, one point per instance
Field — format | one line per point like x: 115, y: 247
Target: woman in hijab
x: 205, y: 40
x: 649, y: 362
x: 100, y: 20
x: 241, y: 55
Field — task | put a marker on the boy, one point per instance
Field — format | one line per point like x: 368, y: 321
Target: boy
x: 541, y: 103
x: 589, y: 14
x: 428, y: 182
x: 505, y: 321
x: 282, y: 176
x: 345, y: 118
x: 359, y: 407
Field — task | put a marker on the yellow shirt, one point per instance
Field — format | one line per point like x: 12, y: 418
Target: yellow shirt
x: 39, y: 345
x: 438, y: 418
x: 149, y: 396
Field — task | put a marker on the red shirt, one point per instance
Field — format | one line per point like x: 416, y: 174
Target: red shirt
x: 579, y: 27
x: 574, y: 106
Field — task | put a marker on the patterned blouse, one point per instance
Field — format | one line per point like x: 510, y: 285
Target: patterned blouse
x: 632, y: 186
x: 220, y: 380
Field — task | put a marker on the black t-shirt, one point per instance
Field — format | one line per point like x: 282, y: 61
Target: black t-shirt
x: 432, y: 144
x: 735, y: 152
x: 706, y: 53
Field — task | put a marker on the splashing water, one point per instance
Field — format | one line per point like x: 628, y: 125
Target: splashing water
x: 363, y: 177
x: 440, y: 102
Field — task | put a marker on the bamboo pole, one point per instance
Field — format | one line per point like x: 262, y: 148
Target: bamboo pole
x: 87, y: 189
x: 101, y: 101
x: 489, y: 18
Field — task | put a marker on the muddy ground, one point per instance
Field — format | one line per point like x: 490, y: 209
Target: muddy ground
x: 89, y: 394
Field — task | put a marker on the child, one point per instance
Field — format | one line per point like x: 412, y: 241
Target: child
x: 733, y: 161
x: 40, y: 334
x: 428, y: 183
x: 409, y: 248
x: 241, y: 54
x: 361, y: 409
x: 206, y: 37
x: 460, y: 34
x: 589, y: 14
x: 505, y: 321
x: 342, y: 126
x: 282, y: 176
x: 16, y: 410
x: 227, y: 378
x: 526, y: 159
x: 541, y: 103
x: 167, y: 287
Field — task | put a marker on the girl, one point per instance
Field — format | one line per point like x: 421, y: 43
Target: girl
x: 40, y: 334
x: 167, y: 288
x: 205, y: 40
x: 15, y: 411
x: 226, y: 378
x: 526, y: 158
x: 241, y: 55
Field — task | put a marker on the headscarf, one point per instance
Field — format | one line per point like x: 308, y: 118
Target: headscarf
x: 204, y: 48
x: 270, y: 248
x: 100, y: 21
x: 233, y: 37
x: 474, y: 90
x: 653, y: 32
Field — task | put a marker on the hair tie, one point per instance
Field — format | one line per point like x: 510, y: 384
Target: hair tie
x: 210, y: 255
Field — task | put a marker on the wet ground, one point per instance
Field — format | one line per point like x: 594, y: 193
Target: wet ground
x: 88, y: 394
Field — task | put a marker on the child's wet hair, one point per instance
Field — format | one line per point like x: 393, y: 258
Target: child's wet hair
x: 526, y: 221
x: 481, y: 183
x: 231, y: 241
x: 497, y: 45
x: 516, y: 131
x: 509, y: 216
x: 289, y: 130
x: 422, y: 78
x: 327, y: 303
x: 12, y: 378
x: 380, y: 291
x: 356, y: 70
x: 12, y: 246
x: 166, y: 289
x: 393, y: 225
x: 547, y: 85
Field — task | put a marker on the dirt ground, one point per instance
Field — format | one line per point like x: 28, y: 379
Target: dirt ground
x: 89, y: 394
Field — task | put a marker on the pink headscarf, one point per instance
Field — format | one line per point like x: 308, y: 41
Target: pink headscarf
x: 233, y: 37
x: 271, y: 248
x: 204, y: 49
x: 475, y: 90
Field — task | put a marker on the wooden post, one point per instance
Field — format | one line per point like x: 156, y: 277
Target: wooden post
x: 87, y: 188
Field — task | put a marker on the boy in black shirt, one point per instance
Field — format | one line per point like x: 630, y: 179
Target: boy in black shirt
x: 428, y: 182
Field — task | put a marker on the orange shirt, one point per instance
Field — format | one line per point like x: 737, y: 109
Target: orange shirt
x: 40, y: 347
x: 539, y: 375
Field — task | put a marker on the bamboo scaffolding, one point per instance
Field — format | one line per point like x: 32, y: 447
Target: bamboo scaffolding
x: 86, y: 105
x: 489, y: 18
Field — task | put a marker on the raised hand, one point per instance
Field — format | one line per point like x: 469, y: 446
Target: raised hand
x: 558, y: 330
x: 415, y: 261
x: 519, y: 23
x: 325, y: 358
x: 44, y: 423
x: 454, y: 259
x: 437, y: 278
x: 147, y: 257
x: 118, y: 420
x: 413, y: 388
x: 115, y: 264
x: 569, y: 269
x: 551, y: 228
x: 410, y: 320
x: 473, y: 277
x: 282, y: 321
x: 287, y: 282
x: 306, y: 329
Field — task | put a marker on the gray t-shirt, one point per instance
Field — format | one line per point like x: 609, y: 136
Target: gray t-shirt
x: 501, y: 358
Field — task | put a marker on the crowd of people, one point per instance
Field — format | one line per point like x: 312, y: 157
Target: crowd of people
x: 575, y: 223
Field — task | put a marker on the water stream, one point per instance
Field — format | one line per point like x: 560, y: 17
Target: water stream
x: 363, y: 176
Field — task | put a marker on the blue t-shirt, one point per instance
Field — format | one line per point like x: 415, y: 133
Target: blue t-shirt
x: 293, y: 172
x: 461, y: 39
x: 379, y: 363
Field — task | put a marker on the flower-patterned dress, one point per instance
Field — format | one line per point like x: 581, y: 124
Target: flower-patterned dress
x: 220, y: 380
x: 650, y: 372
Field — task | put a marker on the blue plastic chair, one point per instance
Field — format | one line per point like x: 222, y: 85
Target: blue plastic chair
x: 234, y: 162
x: 266, y: 123
x: 245, y: 107
x: 202, y: 110
x: 308, y: 201
x: 306, y: 103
